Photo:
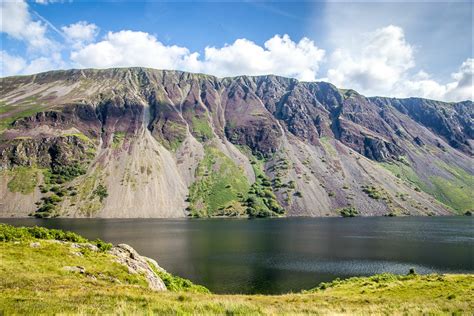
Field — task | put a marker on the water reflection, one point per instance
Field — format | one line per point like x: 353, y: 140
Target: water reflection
x: 281, y: 255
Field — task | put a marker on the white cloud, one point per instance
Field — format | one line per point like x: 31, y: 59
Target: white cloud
x: 80, y: 33
x: 128, y: 48
x: 375, y: 64
x: 380, y: 63
x: 13, y: 65
x: 421, y: 85
x: 16, y: 21
x: 10, y: 65
x: 279, y: 55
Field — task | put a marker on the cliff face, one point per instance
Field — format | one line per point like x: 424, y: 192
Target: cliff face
x: 149, y: 143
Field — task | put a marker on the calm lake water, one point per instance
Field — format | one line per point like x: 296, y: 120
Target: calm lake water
x: 282, y: 255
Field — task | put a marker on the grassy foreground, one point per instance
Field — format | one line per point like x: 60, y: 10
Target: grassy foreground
x: 33, y: 281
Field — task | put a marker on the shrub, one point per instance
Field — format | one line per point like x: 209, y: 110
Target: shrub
x: 101, y: 192
x: 372, y: 192
x: 102, y: 245
x: 349, y: 212
x: 11, y: 233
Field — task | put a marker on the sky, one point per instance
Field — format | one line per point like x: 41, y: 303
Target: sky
x: 396, y: 49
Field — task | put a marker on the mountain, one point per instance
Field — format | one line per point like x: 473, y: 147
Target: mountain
x: 138, y: 142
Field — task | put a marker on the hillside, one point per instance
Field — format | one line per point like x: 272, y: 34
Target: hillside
x: 138, y: 142
x: 49, y: 271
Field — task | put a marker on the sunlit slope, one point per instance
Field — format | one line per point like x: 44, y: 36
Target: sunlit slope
x: 137, y: 142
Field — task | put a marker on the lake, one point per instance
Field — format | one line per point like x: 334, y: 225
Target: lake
x: 288, y: 254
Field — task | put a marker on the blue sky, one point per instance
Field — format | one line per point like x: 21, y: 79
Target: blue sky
x: 394, y: 49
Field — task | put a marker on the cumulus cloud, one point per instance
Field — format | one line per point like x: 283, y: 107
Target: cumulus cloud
x: 16, y: 21
x: 10, y: 65
x: 375, y: 64
x: 460, y: 88
x: 128, y: 48
x: 14, y: 65
x: 279, y: 55
x: 80, y: 33
x: 380, y: 63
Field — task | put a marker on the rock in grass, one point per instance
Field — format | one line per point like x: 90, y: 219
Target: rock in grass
x: 75, y: 269
x: 135, y: 263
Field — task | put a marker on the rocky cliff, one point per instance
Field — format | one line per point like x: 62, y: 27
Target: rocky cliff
x: 138, y: 142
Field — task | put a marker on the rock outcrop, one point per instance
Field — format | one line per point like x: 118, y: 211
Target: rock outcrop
x: 135, y: 263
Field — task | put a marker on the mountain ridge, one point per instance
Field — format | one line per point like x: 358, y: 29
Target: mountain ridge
x: 161, y: 141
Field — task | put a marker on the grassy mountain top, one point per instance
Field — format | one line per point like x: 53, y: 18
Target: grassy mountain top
x: 33, y: 280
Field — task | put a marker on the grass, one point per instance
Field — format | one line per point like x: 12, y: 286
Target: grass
x: 33, y: 281
x: 201, y: 128
x: 219, y: 184
x: 29, y: 109
x: 454, y: 192
x: 178, y: 284
x: 178, y: 135
x: 404, y: 172
x: 118, y: 139
x: 23, y: 179
x: 81, y: 136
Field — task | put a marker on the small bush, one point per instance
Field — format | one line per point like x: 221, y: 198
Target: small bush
x: 349, y: 212
x: 101, y: 192
x: 102, y: 245
x: 372, y: 192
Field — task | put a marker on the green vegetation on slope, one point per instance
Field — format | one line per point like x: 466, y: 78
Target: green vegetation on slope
x: 33, y: 281
x: 54, y: 187
x: 261, y: 201
x: 177, y: 284
x: 457, y: 191
x: 454, y: 192
x: 23, y: 179
x: 117, y: 139
x: 349, y: 212
x: 10, y: 233
x: 201, y: 128
x: 176, y: 135
x: 27, y: 108
x: 219, y: 186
